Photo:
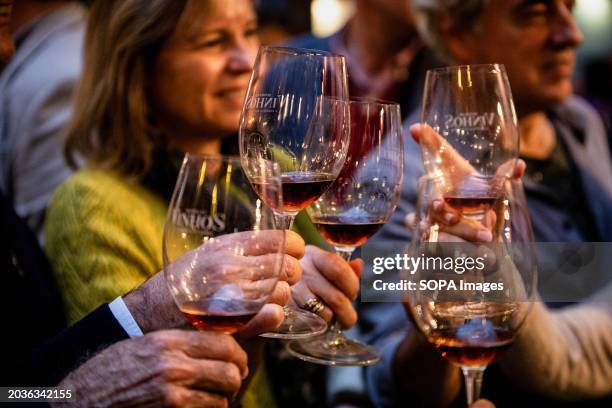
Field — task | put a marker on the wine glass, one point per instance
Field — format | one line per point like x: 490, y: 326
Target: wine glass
x: 220, y: 281
x: 469, y: 140
x: 358, y: 204
x: 470, y: 299
x: 296, y: 114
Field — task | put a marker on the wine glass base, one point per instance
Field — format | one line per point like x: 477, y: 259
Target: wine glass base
x: 298, y: 324
x: 319, y: 350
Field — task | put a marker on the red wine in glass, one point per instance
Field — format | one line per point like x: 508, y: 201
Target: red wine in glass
x: 300, y: 189
x: 471, y: 204
x: 475, y: 352
x: 345, y: 232
x: 354, y: 208
x: 220, y: 315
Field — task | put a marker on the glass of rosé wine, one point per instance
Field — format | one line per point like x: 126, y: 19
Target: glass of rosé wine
x: 469, y: 135
x: 296, y: 114
x: 472, y: 297
x: 355, y: 207
x: 223, y: 249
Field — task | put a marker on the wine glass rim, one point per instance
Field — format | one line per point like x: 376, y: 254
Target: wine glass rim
x: 209, y: 156
x: 233, y: 160
x: 455, y: 68
x: 301, y: 51
x: 368, y: 100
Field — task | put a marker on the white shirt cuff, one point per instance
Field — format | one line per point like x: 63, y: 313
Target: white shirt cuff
x: 125, y: 318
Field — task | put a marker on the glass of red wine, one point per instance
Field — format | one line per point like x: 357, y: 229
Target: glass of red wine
x: 218, y: 269
x: 358, y: 204
x: 469, y: 138
x: 471, y: 299
x: 296, y: 114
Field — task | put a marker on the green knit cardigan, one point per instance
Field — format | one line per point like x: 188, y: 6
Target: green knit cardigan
x: 103, y: 237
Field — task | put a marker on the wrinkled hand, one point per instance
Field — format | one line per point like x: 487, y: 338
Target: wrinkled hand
x: 271, y: 315
x: 450, y: 159
x: 452, y: 227
x: 152, y: 304
x: 333, y: 280
x: 173, y: 368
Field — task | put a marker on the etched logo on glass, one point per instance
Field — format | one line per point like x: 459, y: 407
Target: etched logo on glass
x: 470, y: 121
x: 199, y: 221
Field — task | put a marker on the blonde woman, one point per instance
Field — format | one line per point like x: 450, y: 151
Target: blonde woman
x: 161, y: 77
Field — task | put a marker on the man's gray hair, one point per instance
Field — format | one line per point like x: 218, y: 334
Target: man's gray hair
x: 462, y: 14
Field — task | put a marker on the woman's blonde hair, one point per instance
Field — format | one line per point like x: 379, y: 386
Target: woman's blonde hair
x: 110, y: 125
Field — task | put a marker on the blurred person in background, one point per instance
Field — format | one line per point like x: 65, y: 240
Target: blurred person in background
x: 598, y: 89
x: 280, y: 20
x: 385, y: 55
x: 7, y: 45
x: 160, y: 78
x: 36, y: 89
x: 561, y: 357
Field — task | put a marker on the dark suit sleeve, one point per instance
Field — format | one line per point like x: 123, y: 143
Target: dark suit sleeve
x: 50, y: 363
x: 31, y: 312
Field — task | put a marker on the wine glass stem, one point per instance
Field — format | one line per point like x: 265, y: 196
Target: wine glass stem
x: 345, y: 252
x: 473, y: 382
x: 334, y: 334
x: 287, y: 221
x: 284, y: 219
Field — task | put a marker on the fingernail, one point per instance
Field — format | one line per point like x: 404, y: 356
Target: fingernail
x: 448, y: 217
x: 288, y: 269
x: 437, y: 205
x: 484, y: 235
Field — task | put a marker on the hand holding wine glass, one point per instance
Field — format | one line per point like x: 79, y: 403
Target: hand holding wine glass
x: 295, y: 114
x: 221, y: 281
x: 358, y: 203
x: 469, y: 135
x: 334, y: 282
x: 481, y: 313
